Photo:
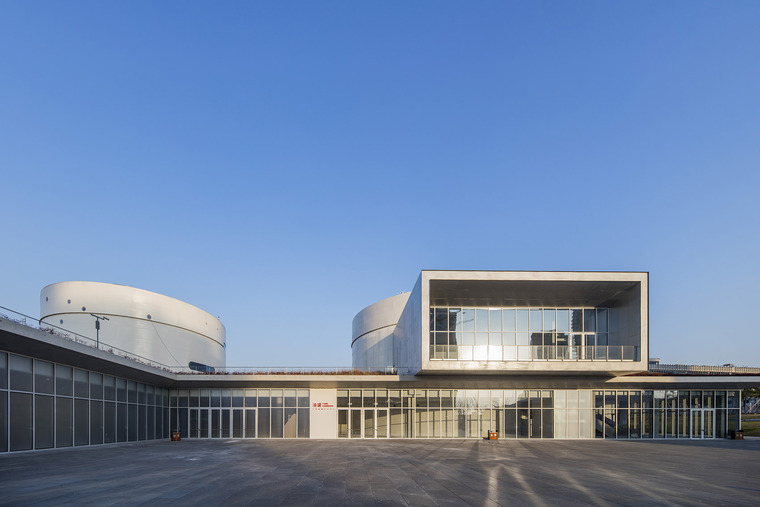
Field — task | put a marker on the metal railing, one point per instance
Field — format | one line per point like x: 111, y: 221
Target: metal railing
x: 295, y: 370
x: 67, y: 334
x: 536, y: 353
x: 687, y: 369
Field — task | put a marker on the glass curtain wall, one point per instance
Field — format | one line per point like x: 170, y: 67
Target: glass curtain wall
x: 534, y: 413
x: 45, y: 405
x: 444, y: 413
x: 524, y: 334
x: 241, y: 413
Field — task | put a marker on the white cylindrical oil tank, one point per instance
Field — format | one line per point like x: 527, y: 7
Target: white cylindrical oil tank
x: 139, y: 322
x: 372, y: 333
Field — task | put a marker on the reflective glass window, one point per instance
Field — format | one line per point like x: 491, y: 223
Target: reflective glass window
x: 481, y: 320
x: 468, y: 319
x: 131, y: 392
x: 455, y: 319
x: 3, y: 373
x: 522, y: 320
x: 21, y: 417
x: 601, y: 320
x: 96, y: 386
x: 43, y: 377
x: 589, y: 320
x: 81, y: 383
x: 495, y: 320
x: 109, y: 387
x: 441, y: 319
x: 508, y: 319
x: 536, y: 321
x: 121, y: 389
x: 550, y: 320
x: 563, y: 321
x: 576, y: 320
x: 21, y: 374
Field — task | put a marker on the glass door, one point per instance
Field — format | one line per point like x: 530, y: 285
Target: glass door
x: 355, y: 427
x: 702, y: 423
x: 369, y: 423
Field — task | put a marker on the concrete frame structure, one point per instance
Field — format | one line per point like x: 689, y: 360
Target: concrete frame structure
x: 626, y: 294
x: 55, y: 392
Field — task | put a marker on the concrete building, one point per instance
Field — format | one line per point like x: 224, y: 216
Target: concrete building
x: 465, y: 353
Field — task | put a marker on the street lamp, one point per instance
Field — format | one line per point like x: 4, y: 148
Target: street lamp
x: 97, y: 328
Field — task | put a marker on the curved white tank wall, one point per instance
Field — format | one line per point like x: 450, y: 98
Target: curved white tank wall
x: 372, y: 332
x: 144, y: 323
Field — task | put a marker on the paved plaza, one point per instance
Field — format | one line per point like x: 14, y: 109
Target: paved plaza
x: 391, y: 472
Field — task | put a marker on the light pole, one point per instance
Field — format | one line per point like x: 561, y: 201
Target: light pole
x: 97, y: 328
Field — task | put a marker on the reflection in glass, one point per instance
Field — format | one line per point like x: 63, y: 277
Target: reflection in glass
x: 536, y: 321
x: 563, y: 321
x: 481, y: 320
x: 508, y: 316
x: 495, y: 319
x: 576, y: 320
x: 522, y: 320
x: 550, y: 320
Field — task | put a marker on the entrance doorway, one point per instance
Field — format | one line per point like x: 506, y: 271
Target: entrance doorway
x: 702, y: 423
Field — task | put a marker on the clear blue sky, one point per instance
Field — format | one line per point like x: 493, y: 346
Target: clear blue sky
x: 285, y: 164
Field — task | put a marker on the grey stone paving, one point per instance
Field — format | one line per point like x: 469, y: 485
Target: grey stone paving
x: 391, y: 472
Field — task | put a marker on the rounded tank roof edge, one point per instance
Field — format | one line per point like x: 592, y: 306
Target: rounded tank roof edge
x: 380, y: 301
x: 135, y: 288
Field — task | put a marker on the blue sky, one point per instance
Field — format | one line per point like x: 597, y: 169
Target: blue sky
x: 285, y: 164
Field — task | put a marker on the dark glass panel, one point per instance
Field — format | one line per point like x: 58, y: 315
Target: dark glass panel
x: 237, y: 423
x: 142, y: 418
x: 250, y: 424
x: 264, y: 422
x: 141, y: 395
x: 303, y: 423
x: 276, y: 426
x: 290, y: 397
x: 576, y: 320
x: 109, y: 422
x: 3, y: 419
x: 441, y: 320
x: 121, y: 422
x: 21, y: 416
x: 81, y: 421
x: 21, y: 379
x: 132, y: 421
x: 237, y: 400
x: 96, y: 422
x: 43, y: 420
x: 303, y: 398
x: 109, y: 388
x: 131, y: 391
x: 96, y: 386
x: 215, y: 423
x: 81, y: 384
x: 64, y: 422
x: 121, y: 390
x: 589, y: 320
x: 43, y: 377
x: 4, y: 380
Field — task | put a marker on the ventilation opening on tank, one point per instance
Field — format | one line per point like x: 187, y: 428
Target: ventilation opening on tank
x: 203, y: 368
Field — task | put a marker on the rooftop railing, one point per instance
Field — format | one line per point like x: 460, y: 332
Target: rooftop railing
x: 693, y: 369
x: 295, y: 370
x: 67, y: 334
x: 509, y: 353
